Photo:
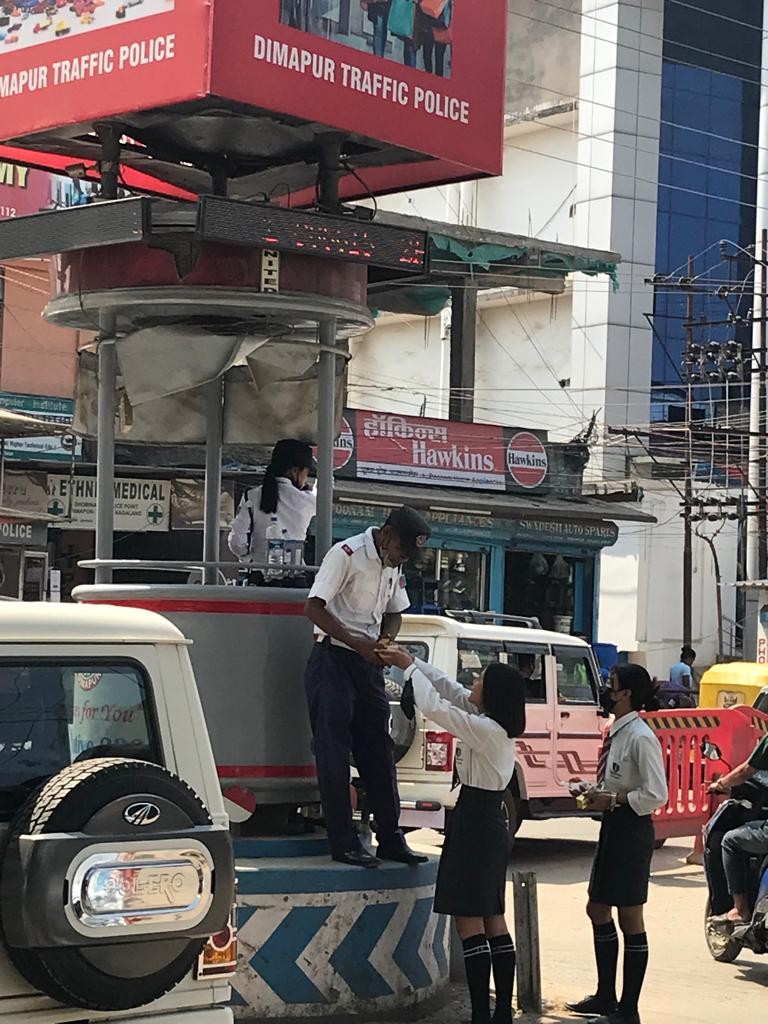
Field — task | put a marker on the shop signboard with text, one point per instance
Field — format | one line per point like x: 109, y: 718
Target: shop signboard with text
x: 420, y: 77
x: 141, y: 506
x: 57, y: 447
x: 443, y: 453
x: 63, y: 68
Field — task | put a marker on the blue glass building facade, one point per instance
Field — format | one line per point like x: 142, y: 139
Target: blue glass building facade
x: 707, y: 169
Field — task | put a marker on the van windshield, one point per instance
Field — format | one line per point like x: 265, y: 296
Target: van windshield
x: 56, y: 712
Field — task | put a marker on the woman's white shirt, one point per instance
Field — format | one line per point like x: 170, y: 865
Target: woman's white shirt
x: 485, y: 757
x: 295, y: 511
x: 635, y: 766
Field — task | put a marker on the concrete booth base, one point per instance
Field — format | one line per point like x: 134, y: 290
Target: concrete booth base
x: 319, y: 939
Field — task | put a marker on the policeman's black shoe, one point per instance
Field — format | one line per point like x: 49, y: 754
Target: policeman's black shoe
x: 356, y: 858
x: 593, y: 1006
x: 617, y: 1017
x: 400, y: 852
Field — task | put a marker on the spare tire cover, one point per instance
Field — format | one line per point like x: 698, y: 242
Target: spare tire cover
x: 109, y: 959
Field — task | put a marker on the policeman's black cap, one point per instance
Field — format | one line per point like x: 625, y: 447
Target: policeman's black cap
x: 412, y: 528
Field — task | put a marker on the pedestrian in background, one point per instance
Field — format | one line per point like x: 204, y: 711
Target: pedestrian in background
x: 472, y: 876
x: 631, y: 785
x: 378, y: 15
x: 681, y: 672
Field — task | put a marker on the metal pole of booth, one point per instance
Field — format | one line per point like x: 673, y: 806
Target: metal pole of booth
x: 214, y: 444
x: 105, y: 454
x: 326, y: 431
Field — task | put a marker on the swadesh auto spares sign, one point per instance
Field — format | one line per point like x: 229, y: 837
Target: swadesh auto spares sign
x: 414, y: 450
x: 67, y: 63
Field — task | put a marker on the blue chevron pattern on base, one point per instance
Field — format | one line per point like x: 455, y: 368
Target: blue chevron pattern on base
x: 276, y: 963
x: 406, y: 954
x: 339, y: 952
x: 351, y: 960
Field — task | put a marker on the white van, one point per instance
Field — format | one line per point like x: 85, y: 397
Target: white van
x: 564, y: 719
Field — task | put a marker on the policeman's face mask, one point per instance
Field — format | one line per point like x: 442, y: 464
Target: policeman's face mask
x: 392, y: 555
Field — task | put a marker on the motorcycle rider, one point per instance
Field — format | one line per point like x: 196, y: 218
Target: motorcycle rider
x: 740, y: 844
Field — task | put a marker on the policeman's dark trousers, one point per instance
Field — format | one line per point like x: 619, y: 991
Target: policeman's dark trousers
x: 738, y: 846
x: 349, y: 713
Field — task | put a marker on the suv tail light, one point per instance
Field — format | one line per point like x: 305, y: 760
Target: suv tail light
x: 439, y: 756
x: 219, y: 956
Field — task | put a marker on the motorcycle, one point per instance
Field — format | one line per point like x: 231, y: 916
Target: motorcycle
x: 725, y: 939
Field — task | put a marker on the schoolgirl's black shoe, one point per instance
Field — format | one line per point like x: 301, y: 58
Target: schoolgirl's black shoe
x: 593, y: 1006
x: 617, y: 1018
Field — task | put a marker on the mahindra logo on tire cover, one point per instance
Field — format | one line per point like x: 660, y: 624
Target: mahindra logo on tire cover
x: 140, y: 814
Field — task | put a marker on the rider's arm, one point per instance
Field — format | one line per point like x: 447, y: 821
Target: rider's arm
x: 735, y: 778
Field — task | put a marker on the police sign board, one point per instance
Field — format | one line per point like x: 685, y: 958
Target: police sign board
x: 18, y: 534
x: 141, y: 506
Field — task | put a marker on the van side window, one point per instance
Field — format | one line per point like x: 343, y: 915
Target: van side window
x: 575, y: 676
x: 529, y: 661
x: 474, y: 656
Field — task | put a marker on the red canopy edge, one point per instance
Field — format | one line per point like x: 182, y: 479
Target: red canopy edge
x: 134, y: 181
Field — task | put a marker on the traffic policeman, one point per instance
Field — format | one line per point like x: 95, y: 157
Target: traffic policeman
x: 357, y: 600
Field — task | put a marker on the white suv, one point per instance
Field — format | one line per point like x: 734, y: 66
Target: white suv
x: 116, y: 871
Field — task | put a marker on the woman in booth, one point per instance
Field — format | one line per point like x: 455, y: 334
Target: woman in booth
x: 472, y: 875
x: 285, y: 493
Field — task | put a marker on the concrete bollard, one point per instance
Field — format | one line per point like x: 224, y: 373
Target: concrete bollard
x: 527, y: 941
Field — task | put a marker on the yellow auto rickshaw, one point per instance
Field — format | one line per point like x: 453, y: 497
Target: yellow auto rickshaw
x: 737, y: 682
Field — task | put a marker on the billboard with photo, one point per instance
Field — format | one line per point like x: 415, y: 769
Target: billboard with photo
x: 424, y: 75
x: 66, y: 63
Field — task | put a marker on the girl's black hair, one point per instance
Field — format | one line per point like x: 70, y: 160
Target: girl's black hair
x: 287, y: 454
x: 640, y: 685
x: 504, y: 697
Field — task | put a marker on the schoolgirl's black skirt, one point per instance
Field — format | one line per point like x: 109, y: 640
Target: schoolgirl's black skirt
x: 622, y: 865
x: 472, y: 875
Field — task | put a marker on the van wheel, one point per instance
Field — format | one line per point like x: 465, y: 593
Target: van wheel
x: 512, y: 812
x: 87, y: 861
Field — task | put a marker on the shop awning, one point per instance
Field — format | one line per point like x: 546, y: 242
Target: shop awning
x: 504, y: 506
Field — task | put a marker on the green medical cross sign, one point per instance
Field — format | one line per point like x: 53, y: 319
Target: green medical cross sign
x: 155, y: 514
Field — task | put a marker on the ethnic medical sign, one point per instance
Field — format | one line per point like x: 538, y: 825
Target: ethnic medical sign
x: 398, y: 77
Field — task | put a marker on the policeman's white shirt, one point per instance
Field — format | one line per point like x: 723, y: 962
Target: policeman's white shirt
x: 485, y: 757
x: 295, y: 511
x: 357, y: 589
x: 635, y: 766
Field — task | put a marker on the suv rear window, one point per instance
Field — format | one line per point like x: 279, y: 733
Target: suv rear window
x: 53, y: 713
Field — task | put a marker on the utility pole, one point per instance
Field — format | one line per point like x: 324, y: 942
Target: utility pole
x: 688, y: 496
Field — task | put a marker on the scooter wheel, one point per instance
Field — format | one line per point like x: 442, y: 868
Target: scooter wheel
x: 720, y: 943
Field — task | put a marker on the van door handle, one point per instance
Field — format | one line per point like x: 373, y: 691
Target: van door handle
x: 565, y: 714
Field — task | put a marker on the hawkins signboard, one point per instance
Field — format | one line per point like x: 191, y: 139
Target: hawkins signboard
x: 443, y: 453
x: 418, y: 76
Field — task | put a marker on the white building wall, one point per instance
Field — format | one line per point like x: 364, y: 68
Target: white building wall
x: 641, y: 598
x: 584, y: 175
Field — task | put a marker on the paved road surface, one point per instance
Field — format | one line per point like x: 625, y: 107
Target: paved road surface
x: 684, y: 985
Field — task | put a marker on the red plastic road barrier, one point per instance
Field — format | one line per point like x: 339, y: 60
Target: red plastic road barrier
x: 683, y: 735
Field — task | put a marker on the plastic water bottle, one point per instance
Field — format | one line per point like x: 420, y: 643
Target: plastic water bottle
x: 275, y: 550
